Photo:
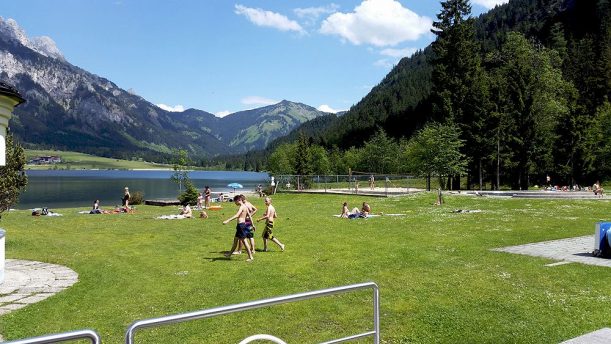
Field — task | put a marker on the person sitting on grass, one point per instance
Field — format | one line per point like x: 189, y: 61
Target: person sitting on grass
x: 96, y: 207
x: 186, y: 211
x: 240, y: 234
x: 598, y: 190
x: 345, y: 212
x: 365, y: 210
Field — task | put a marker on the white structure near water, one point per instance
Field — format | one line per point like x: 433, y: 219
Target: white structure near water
x: 9, y: 98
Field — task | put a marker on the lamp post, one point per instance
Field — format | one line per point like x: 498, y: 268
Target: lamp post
x: 9, y: 98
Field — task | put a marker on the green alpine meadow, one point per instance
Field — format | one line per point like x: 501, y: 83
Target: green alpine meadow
x: 439, y: 280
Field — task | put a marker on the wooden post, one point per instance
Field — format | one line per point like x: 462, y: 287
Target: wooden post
x: 439, y: 197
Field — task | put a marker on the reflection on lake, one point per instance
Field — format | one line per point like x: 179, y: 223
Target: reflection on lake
x: 79, y: 188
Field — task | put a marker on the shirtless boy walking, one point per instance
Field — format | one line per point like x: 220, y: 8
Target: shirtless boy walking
x: 240, y: 233
x: 269, y: 216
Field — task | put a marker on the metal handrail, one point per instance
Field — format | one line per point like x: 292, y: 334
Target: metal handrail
x: 212, y: 312
x: 61, y: 337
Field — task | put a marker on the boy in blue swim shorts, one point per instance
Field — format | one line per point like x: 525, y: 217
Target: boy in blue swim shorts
x: 241, y: 229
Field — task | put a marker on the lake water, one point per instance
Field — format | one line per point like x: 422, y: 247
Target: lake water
x: 79, y: 188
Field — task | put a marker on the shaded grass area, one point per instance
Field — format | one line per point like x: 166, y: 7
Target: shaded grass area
x: 438, y: 279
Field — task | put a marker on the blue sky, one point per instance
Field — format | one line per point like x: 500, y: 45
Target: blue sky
x: 224, y: 56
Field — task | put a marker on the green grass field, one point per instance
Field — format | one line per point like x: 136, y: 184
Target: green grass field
x: 439, y: 282
x: 79, y: 161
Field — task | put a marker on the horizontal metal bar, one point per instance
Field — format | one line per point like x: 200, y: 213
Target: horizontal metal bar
x: 351, y: 338
x: 60, y: 337
x: 212, y: 312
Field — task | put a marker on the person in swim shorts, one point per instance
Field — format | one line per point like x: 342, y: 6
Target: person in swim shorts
x: 269, y: 216
x: 250, y: 228
x: 240, y: 234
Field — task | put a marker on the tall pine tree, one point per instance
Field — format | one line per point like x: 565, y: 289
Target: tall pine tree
x: 459, y: 93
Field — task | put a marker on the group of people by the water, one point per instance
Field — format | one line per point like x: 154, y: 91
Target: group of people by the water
x: 596, y: 188
x: 124, y: 208
x: 244, y: 235
x: 355, y: 212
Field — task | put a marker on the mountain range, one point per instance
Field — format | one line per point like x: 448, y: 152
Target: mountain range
x: 71, y: 109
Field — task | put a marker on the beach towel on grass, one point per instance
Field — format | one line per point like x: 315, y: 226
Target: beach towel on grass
x: 360, y: 217
x: 172, y: 217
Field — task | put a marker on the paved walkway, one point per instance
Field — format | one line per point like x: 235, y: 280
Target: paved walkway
x: 572, y: 250
x: 602, y: 336
x: 27, y: 282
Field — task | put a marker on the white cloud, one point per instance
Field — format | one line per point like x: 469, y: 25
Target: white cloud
x: 377, y: 22
x: 176, y: 108
x: 223, y: 113
x: 399, y: 53
x: 258, y: 101
x: 274, y: 20
x: 312, y: 14
x: 385, y: 63
x: 327, y: 108
x: 394, y: 56
x: 490, y: 3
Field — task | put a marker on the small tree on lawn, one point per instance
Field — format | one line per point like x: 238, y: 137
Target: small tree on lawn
x: 435, y: 151
x: 180, y: 175
x: 190, y: 194
x: 12, y: 176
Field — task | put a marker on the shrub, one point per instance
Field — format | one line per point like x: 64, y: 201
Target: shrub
x: 190, y: 194
x: 136, y: 198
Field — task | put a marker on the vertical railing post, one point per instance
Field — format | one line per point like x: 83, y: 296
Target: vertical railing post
x: 376, y: 314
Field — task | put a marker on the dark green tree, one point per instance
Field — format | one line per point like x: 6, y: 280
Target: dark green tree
x: 435, y: 150
x: 531, y: 96
x: 320, y: 160
x: 379, y: 154
x: 189, y: 196
x: 459, y: 94
x: 303, y: 157
x: 282, y: 160
x: 601, y: 134
x: 12, y: 175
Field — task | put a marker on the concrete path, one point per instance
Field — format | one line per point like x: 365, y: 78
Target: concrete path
x: 572, y: 250
x: 602, y: 336
x: 27, y: 282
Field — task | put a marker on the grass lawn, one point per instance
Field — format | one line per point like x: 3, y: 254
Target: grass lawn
x: 439, y: 281
x: 78, y: 161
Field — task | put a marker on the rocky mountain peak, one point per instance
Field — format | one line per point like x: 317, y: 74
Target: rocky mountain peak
x: 43, y: 45
x: 46, y: 46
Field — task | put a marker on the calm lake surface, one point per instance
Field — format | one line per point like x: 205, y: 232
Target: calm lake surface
x: 79, y: 188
